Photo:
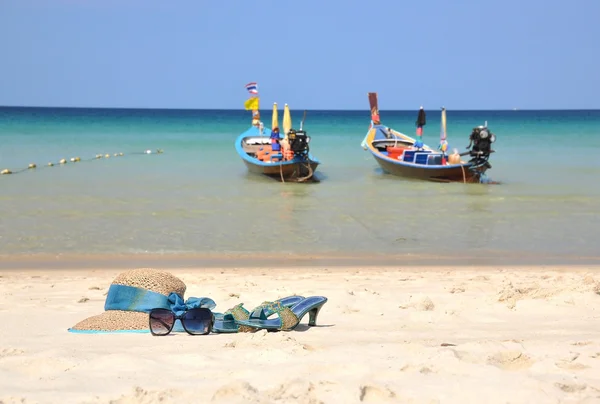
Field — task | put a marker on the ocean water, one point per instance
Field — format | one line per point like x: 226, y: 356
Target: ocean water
x: 197, y: 197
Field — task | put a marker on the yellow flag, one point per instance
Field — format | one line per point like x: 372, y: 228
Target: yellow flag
x: 251, y: 103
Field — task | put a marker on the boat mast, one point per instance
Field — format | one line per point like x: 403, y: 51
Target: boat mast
x: 421, y: 121
x: 303, y: 119
x: 287, y: 119
x: 275, y: 117
x: 443, y: 142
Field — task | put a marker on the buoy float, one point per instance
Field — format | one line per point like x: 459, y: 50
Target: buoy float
x: 76, y: 159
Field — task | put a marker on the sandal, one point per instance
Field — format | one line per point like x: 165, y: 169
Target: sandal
x: 227, y: 322
x: 288, y: 316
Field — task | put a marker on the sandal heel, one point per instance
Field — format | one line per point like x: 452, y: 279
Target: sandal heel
x: 312, y: 316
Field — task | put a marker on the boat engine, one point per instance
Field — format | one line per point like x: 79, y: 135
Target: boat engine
x: 480, y: 146
x: 298, y: 142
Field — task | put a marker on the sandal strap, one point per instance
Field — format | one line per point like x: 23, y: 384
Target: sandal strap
x: 265, y: 309
x: 239, y: 313
x: 287, y: 317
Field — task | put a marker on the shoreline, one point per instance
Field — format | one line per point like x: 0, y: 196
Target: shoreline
x: 283, y: 260
x: 262, y: 271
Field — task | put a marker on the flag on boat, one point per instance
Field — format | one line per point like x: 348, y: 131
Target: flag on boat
x: 251, y: 104
x: 252, y: 88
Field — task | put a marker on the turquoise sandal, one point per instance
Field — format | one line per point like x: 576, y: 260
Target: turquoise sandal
x: 227, y: 322
x: 288, y: 317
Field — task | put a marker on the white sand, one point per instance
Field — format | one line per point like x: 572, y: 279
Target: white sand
x: 520, y: 335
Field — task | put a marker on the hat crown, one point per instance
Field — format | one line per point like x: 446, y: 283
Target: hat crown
x: 151, y: 279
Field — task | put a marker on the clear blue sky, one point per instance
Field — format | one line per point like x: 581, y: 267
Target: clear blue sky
x: 326, y: 54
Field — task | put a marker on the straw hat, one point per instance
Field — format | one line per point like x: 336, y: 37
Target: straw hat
x: 135, y: 317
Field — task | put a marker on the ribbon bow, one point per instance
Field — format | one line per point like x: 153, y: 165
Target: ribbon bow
x: 179, y: 306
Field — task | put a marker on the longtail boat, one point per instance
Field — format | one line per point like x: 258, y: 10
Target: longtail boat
x: 402, y: 155
x: 287, y: 159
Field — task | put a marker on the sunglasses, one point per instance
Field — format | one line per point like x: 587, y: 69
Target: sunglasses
x: 195, y: 321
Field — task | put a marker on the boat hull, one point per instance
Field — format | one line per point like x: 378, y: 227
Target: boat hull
x: 286, y: 170
x: 455, y: 173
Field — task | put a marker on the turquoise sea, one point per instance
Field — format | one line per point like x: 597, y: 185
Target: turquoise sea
x: 197, y: 197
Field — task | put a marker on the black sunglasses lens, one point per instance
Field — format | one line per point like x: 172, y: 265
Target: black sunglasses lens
x: 161, y: 321
x: 198, y: 321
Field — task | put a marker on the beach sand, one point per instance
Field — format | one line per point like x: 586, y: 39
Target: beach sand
x: 409, y: 335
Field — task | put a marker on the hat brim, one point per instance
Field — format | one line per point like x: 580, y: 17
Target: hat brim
x: 114, y: 321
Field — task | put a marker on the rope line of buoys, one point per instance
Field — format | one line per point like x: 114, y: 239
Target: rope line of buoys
x: 34, y: 166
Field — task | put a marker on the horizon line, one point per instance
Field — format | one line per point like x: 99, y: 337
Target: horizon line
x: 307, y: 109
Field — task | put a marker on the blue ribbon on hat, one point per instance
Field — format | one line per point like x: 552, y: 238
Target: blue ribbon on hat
x: 179, y: 307
x: 129, y: 298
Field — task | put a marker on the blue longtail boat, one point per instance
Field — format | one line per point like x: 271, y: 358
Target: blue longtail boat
x: 264, y: 152
x: 402, y: 155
